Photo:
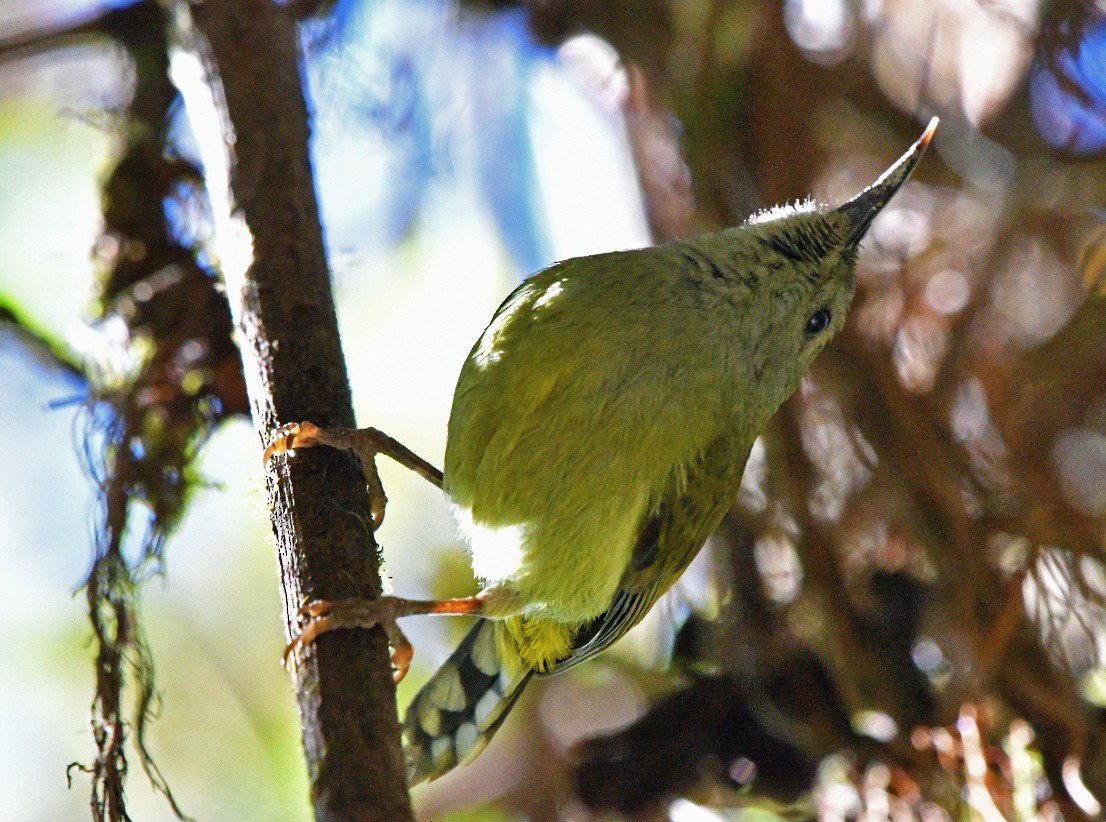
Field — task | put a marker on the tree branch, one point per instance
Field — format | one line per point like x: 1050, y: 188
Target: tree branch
x: 294, y: 370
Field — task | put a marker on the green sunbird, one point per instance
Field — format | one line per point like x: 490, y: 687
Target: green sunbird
x: 599, y: 431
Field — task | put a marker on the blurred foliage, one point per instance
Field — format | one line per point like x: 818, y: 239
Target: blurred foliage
x: 39, y: 342
x: 911, y: 582
x: 175, y: 375
x: 183, y: 376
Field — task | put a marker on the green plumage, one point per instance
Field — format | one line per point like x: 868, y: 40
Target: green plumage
x: 599, y: 432
x: 612, y: 391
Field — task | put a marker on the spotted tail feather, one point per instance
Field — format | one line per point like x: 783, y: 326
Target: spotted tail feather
x: 462, y: 706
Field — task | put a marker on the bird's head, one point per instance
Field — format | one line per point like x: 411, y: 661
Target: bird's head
x: 797, y: 268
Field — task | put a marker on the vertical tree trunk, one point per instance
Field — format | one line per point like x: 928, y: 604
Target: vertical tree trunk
x: 294, y: 369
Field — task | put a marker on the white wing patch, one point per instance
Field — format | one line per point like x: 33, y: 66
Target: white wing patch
x: 497, y: 553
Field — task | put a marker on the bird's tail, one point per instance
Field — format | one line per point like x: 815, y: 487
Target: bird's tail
x: 462, y: 706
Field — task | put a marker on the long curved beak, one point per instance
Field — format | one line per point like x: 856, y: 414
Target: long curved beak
x: 864, y: 207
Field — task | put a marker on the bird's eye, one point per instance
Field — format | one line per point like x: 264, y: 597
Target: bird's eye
x: 819, y: 321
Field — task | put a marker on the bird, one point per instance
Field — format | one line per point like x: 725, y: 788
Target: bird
x: 599, y: 431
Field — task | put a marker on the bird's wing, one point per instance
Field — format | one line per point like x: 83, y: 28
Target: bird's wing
x: 667, y: 542
x: 627, y: 610
x: 631, y: 602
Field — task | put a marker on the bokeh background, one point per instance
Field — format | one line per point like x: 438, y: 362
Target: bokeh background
x: 903, y: 611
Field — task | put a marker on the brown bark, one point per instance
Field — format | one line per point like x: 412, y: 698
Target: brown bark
x: 295, y: 371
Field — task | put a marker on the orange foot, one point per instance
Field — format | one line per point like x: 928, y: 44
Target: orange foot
x: 362, y: 442
x: 327, y: 615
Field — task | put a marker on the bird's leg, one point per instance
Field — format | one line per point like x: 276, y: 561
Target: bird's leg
x: 366, y: 443
x: 329, y: 615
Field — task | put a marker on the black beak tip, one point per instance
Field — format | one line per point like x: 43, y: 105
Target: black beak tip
x: 864, y: 207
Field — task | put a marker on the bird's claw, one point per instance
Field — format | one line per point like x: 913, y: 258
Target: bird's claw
x: 321, y: 616
x: 305, y: 434
x: 294, y: 435
x: 312, y: 609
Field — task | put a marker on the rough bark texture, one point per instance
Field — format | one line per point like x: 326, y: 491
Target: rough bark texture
x: 295, y: 371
